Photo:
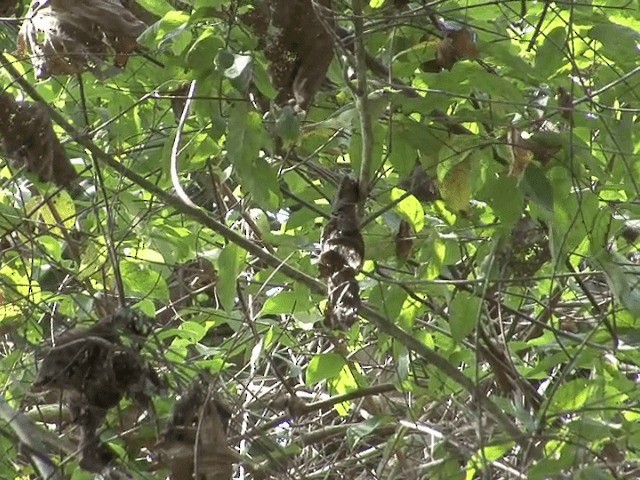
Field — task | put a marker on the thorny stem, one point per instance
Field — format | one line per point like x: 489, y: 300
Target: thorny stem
x: 273, y: 261
x: 362, y: 102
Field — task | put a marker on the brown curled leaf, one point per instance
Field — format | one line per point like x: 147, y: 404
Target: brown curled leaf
x: 342, y: 255
x: 94, y: 370
x: 404, y: 241
x: 565, y: 102
x: 198, y: 430
x: 29, y: 140
x: 520, y: 157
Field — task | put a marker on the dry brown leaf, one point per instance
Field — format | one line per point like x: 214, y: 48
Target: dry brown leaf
x: 404, y: 241
x: 198, y: 424
x: 458, y: 43
x: 520, y: 157
x: 64, y: 37
x: 29, y: 140
x: 341, y: 256
x: 565, y: 102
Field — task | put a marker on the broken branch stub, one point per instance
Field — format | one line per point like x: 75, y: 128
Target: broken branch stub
x: 66, y: 37
x: 342, y: 255
x: 29, y: 140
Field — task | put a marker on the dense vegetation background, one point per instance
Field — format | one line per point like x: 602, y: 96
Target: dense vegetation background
x: 182, y: 180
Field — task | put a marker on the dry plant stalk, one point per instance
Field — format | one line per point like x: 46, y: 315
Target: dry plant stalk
x: 66, y: 37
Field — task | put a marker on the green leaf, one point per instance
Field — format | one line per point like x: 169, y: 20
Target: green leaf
x: 463, y: 315
x: 288, y: 126
x: 288, y: 302
x: 323, y: 366
x: 410, y: 208
x: 623, y: 278
x: 263, y: 82
x: 360, y: 430
x: 201, y: 55
x: 505, y: 199
x: 157, y: 7
x: 455, y: 187
x: 537, y: 185
x: 485, y: 457
x: 619, y: 43
x: 550, y: 55
x: 246, y: 136
x: 230, y: 264
x: 571, y: 396
x: 59, y: 212
x: 140, y: 279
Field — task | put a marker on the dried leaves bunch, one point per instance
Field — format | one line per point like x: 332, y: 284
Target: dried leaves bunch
x: 29, y: 140
x: 297, y: 44
x: 195, y: 439
x: 94, y: 369
x: 68, y: 36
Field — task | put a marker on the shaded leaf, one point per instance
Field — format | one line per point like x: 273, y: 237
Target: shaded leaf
x: 324, y: 366
x: 230, y: 264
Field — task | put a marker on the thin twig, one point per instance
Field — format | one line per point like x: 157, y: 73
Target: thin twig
x: 314, y: 285
x: 362, y: 102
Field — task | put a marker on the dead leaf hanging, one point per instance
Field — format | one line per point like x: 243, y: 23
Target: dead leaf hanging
x: 341, y: 256
x: 29, y: 140
x: 404, y: 241
x: 66, y: 37
x: 565, y: 102
x: 520, y: 157
x: 297, y: 44
x: 458, y: 43
x: 94, y: 370
x: 198, y: 430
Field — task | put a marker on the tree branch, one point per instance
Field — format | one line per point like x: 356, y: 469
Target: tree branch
x: 273, y: 261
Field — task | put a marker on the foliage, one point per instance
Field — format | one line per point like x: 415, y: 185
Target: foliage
x: 498, y: 300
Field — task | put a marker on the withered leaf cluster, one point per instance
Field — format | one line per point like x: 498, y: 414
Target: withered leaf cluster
x: 198, y: 424
x: 94, y: 369
x: 458, y: 43
x: 341, y: 256
x: 66, y: 37
x: 297, y: 44
x: 29, y: 140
